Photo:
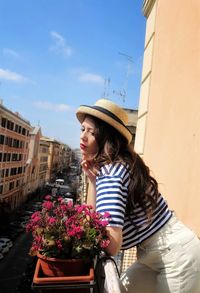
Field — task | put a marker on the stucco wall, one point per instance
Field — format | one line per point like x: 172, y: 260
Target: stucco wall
x: 171, y: 132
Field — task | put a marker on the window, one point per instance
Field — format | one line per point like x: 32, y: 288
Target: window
x: 11, y: 185
x: 16, y: 127
x: 8, y: 141
x: 1, y: 189
x: 13, y: 171
x: 2, y: 139
x: 7, y: 173
x: 2, y: 172
x: 16, y: 143
x: 4, y: 157
x: 17, y: 183
x: 3, y: 122
x: 10, y: 125
x: 14, y: 157
x: 8, y: 157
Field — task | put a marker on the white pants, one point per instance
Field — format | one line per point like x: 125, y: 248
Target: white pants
x: 167, y: 262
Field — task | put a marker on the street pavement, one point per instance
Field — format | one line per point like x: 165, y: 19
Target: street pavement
x: 14, y: 263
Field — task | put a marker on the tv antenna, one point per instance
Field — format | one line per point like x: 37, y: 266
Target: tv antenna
x: 122, y: 93
x: 106, y: 91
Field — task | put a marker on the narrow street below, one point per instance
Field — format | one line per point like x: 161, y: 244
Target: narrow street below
x: 14, y: 264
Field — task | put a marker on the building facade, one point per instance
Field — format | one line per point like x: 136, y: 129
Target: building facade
x: 44, y: 152
x: 14, y: 148
x: 59, y: 158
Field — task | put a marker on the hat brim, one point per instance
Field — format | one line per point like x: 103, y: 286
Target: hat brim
x: 84, y: 110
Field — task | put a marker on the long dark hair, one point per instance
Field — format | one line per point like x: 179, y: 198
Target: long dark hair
x: 113, y: 147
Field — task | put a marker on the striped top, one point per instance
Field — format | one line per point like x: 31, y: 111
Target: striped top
x: 111, y: 196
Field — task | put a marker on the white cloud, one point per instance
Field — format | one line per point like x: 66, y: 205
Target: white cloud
x: 52, y: 106
x: 10, y: 75
x: 7, y: 51
x: 91, y: 77
x: 60, y: 46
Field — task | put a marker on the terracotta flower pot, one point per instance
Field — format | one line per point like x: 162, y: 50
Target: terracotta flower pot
x: 55, y: 267
x: 75, y: 284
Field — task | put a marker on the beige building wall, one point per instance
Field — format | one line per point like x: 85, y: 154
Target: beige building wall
x: 168, y: 129
x: 43, y: 155
x: 32, y: 164
x: 53, y: 158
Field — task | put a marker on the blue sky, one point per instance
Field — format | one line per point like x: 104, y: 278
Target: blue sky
x: 58, y: 54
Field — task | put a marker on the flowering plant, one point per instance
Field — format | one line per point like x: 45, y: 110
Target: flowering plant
x: 64, y: 230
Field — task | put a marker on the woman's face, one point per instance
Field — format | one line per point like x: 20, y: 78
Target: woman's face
x: 88, y: 144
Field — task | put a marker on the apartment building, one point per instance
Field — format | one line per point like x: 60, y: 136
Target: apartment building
x: 32, y: 164
x: 44, y: 152
x: 65, y: 157
x: 14, y: 147
x: 53, y: 158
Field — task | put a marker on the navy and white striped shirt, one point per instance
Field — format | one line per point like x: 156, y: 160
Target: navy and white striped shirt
x: 111, y: 196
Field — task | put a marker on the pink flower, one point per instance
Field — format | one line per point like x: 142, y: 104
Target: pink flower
x: 104, y: 243
x: 66, y: 230
x: 47, y: 205
x: 104, y: 223
x: 36, y: 214
x: 51, y: 220
x: 48, y: 197
x: 106, y: 215
x: 36, y: 219
x: 59, y: 244
x: 75, y: 231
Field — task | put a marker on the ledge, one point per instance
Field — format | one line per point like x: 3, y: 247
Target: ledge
x: 147, y: 7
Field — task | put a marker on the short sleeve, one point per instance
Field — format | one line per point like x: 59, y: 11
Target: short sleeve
x: 112, y: 191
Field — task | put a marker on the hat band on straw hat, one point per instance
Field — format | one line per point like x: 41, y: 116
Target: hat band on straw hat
x: 107, y: 112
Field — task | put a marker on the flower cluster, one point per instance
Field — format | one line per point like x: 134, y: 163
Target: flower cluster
x: 64, y: 230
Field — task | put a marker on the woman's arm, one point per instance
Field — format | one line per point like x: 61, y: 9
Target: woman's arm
x: 91, y: 194
x: 89, y: 171
x: 115, y: 237
x: 114, y: 233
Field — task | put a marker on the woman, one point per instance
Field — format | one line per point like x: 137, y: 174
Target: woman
x: 168, y: 253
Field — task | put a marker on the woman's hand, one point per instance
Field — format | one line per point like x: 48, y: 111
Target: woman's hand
x: 89, y: 169
x: 115, y: 237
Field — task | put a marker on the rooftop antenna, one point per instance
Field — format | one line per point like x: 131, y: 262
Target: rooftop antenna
x: 122, y: 93
x: 106, y: 91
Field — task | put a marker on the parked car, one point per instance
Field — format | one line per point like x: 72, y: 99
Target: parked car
x: 28, y: 213
x: 60, y: 181
x: 3, y: 248
x: 6, y: 241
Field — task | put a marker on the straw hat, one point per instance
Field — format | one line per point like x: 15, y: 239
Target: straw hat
x: 110, y: 113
